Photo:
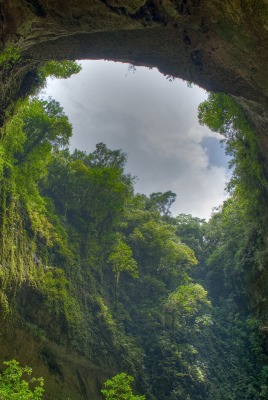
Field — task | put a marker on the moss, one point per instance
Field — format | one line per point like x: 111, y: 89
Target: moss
x: 55, y: 288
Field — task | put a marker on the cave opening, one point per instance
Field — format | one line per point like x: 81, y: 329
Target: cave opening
x: 152, y: 118
x: 220, y: 46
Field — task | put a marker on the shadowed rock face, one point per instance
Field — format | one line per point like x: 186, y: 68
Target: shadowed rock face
x: 221, y: 46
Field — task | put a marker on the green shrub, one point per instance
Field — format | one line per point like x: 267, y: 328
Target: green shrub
x: 118, y: 388
x: 13, y: 386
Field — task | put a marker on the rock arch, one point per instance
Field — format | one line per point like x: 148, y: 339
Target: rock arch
x: 221, y: 46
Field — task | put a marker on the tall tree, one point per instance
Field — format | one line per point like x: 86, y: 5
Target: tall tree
x: 162, y: 202
x: 119, y: 388
x: 45, y: 126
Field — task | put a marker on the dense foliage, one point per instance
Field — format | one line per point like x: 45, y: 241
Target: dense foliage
x: 126, y: 284
x: 16, y: 383
x: 119, y: 388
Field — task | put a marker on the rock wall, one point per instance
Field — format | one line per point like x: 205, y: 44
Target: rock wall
x: 221, y: 46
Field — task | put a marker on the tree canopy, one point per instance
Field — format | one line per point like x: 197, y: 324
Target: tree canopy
x: 124, y: 283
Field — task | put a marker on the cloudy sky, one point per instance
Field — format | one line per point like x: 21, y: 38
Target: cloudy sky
x: 155, y: 122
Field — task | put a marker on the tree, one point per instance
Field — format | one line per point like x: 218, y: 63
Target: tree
x: 191, y: 231
x: 222, y: 114
x: 104, y: 157
x: 45, y: 126
x: 60, y: 70
x: 54, y: 69
x: 14, y: 387
x: 186, y: 302
x: 162, y: 202
x: 122, y: 260
x: 119, y: 388
x: 185, y: 307
x: 158, y: 250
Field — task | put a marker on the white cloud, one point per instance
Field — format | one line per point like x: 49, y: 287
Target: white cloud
x: 154, y: 121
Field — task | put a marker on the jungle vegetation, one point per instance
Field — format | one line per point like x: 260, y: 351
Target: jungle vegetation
x: 160, y: 298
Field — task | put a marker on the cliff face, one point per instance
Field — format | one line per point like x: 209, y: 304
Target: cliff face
x: 220, y: 46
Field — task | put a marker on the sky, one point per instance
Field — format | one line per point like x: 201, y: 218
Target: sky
x: 155, y: 122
